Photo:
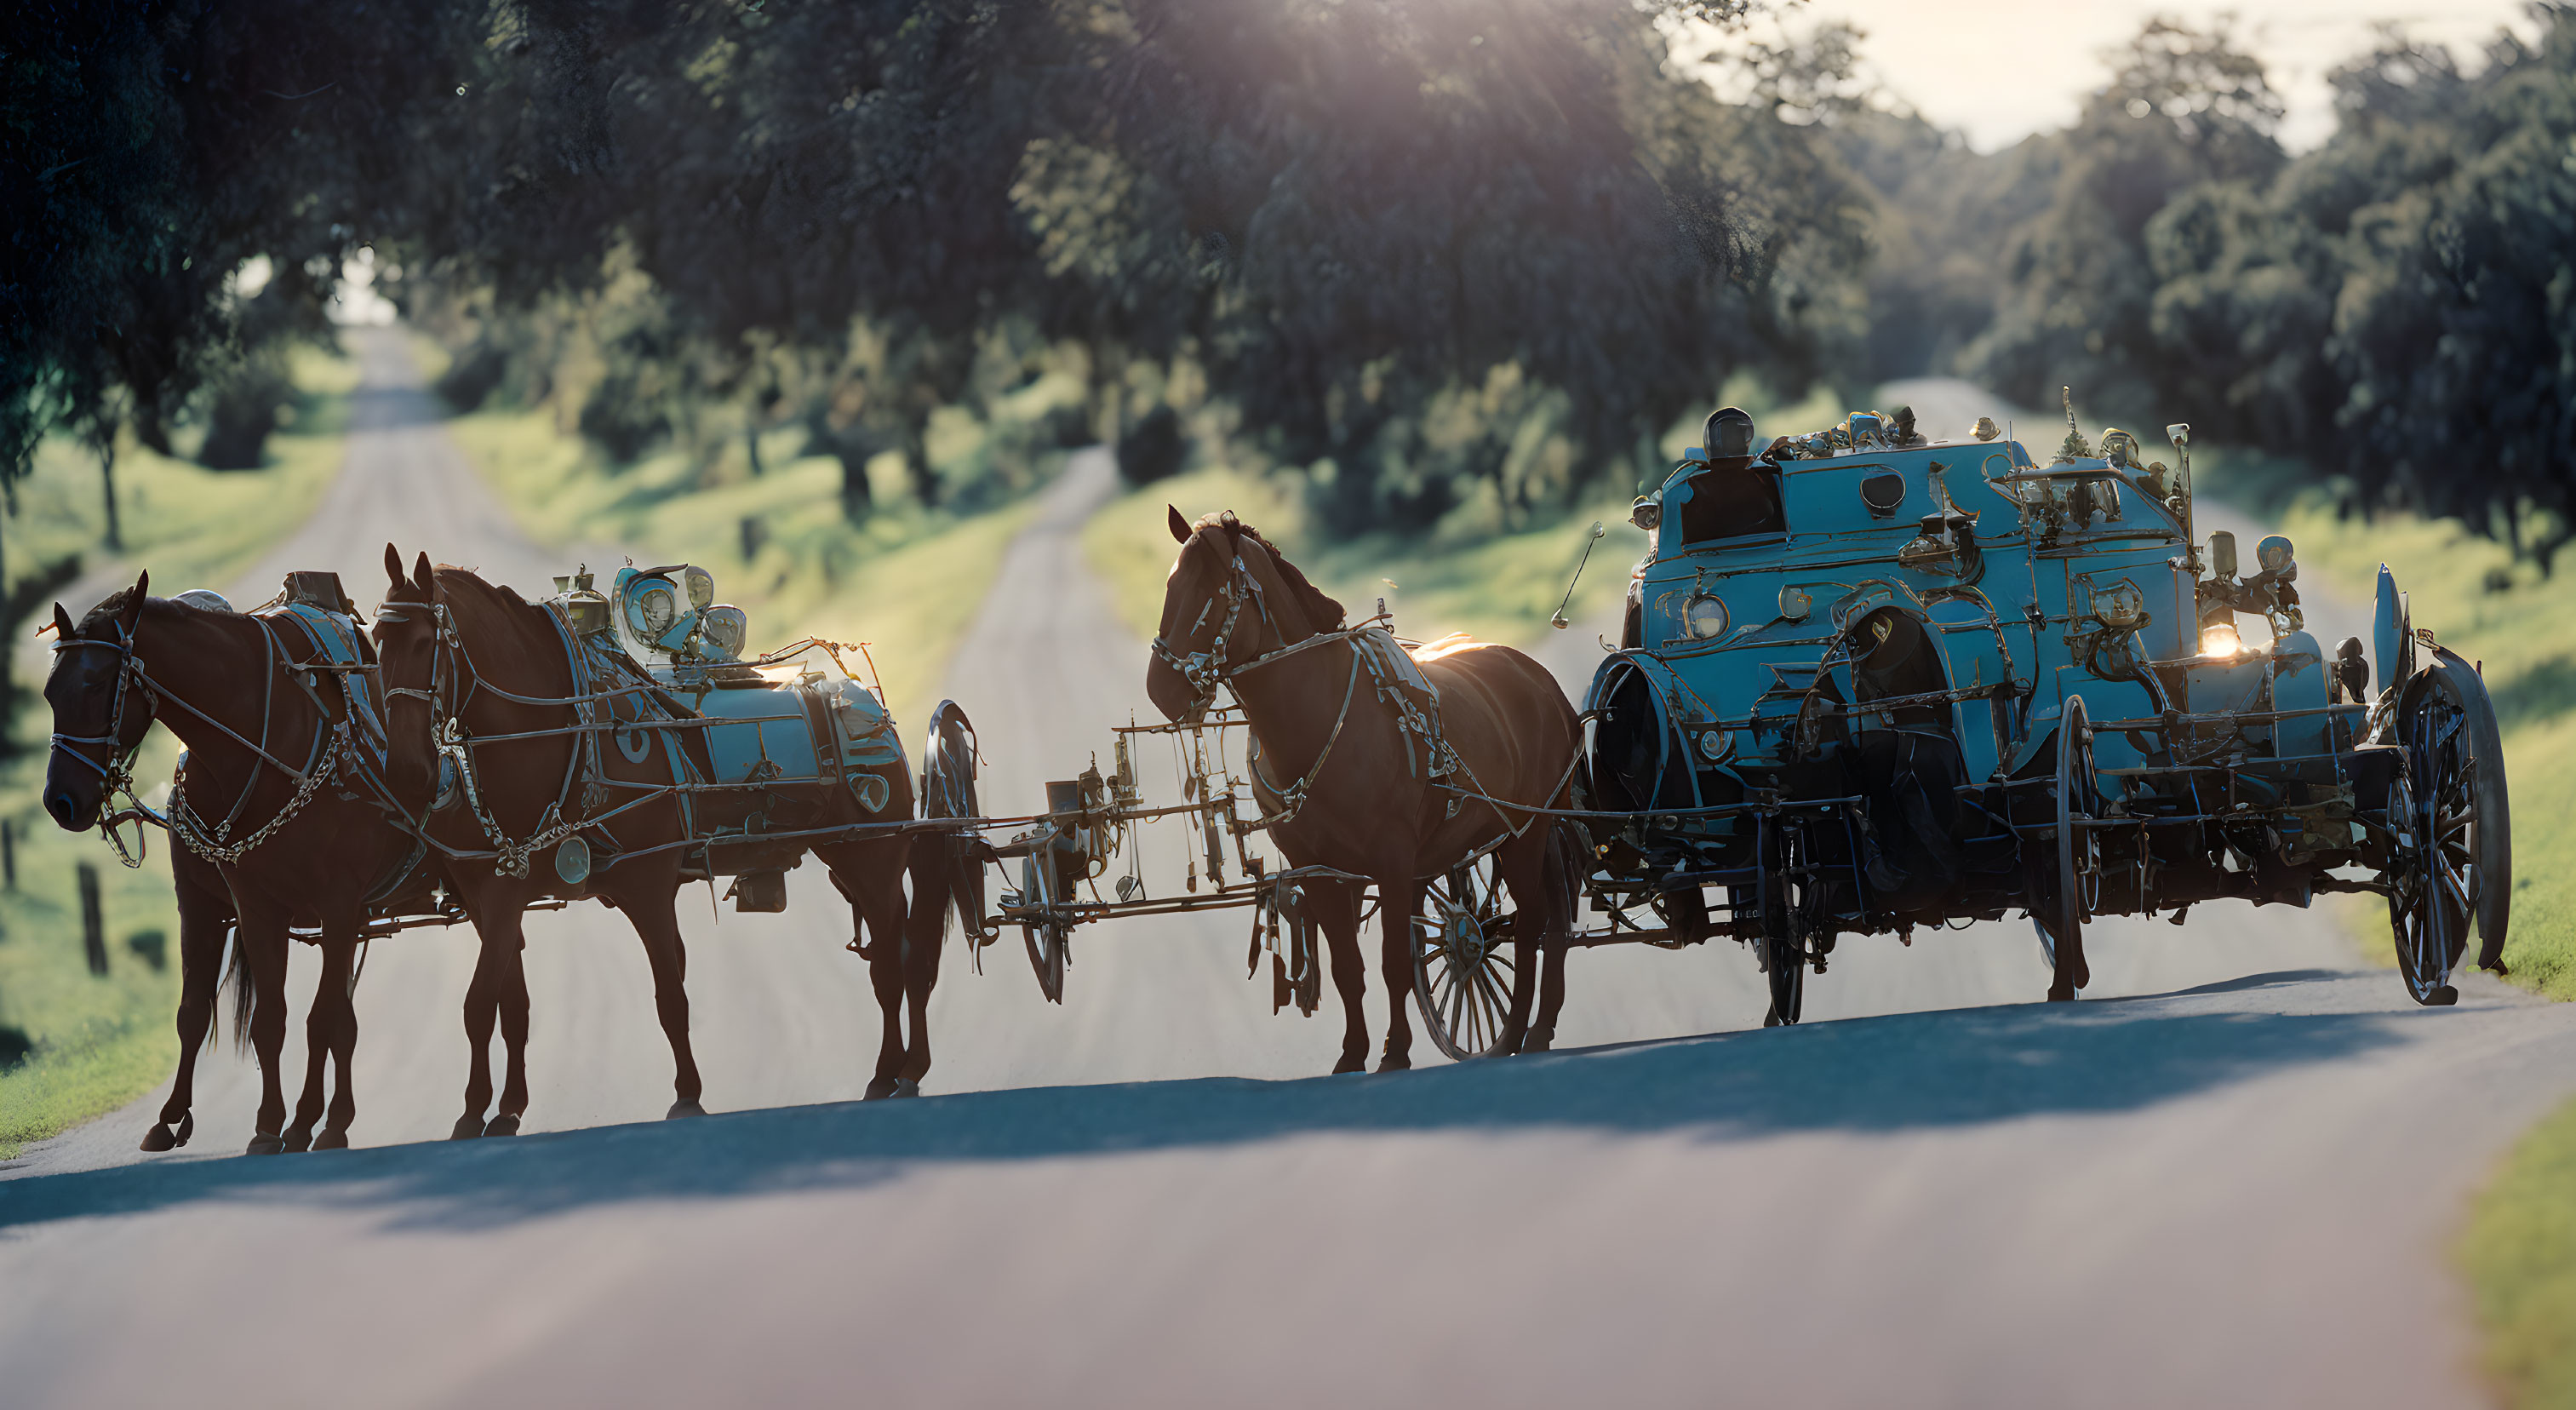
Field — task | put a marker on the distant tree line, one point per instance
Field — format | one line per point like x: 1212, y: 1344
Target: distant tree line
x: 2397, y: 307
x: 1377, y: 236
x: 1420, y: 250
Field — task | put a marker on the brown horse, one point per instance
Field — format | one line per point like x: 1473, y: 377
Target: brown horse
x: 302, y: 838
x: 463, y: 655
x: 1349, y: 786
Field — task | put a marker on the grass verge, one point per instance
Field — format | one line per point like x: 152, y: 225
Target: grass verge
x: 83, y: 1044
x: 906, y: 581
x: 2520, y: 1257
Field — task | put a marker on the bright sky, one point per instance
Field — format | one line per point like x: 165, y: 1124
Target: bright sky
x: 2002, y: 69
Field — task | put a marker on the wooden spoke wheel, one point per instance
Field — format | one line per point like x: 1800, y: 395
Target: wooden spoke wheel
x: 2443, y: 856
x: 2073, y: 892
x: 1462, y: 973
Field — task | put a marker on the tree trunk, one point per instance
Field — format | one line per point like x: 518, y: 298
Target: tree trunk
x: 856, y: 499
x: 916, y: 462
x: 751, y: 447
x: 107, y: 481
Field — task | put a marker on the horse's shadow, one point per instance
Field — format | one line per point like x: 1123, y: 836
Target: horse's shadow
x: 1912, y: 1071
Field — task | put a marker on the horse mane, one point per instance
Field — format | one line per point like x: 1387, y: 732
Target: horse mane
x: 1323, y: 613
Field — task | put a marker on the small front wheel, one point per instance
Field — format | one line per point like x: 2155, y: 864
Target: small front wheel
x: 1462, y: 977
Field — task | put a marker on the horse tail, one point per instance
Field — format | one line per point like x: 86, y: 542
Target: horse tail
x: 236, y: 983
x: 948, y: 760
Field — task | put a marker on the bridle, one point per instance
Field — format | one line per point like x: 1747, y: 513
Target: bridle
x: 116, y: 771
x: 452, y: 669
x: 1210, y: 670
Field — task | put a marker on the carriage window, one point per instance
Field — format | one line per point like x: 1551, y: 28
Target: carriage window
x: 1735, y: 497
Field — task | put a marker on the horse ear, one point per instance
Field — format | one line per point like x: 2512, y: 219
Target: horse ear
x: 63, y: 626
x: 1180, y: 526
x: 133, y: 612
x: 422, y: 578
x: 1229, y: 523
x: 393, y: 565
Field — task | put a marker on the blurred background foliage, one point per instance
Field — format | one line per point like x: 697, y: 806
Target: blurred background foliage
x: 1440, y: 266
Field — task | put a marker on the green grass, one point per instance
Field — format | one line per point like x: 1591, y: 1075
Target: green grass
x: 907, y: 582
x: 100, y: 1043
x: 2520, y: 1257
x: 1493, y: 586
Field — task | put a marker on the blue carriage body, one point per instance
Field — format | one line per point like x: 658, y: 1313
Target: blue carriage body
x: 1866, y: 643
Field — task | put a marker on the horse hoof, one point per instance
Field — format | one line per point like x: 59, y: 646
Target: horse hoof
x: 685, y: 1106
x: 159, y: 1139
x: 265, y: 1143
x: 906, y: 1087
x: 2442, y: 997
x: 1350, y: 1064
x: 503, y: 1125
x: 187, y: 1128
x: 2061, y: 994
x: 1538, y: 1041
x: 298, y: 1141
x: 879, y: 1089
x: 467, y: 1127
x: 1393, y: 1062
x: 331, y: 1141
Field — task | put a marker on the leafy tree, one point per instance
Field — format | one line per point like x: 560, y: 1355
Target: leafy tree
x: 2183, y: 107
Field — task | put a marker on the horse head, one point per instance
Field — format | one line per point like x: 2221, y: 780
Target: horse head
x: 1230, y: 597
x: 100, y: 709
x: 418, y: 692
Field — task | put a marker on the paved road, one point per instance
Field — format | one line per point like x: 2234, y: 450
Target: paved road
x: 2234, y: 1189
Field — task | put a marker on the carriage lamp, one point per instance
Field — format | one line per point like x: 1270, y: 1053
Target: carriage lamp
x: 1712, y: 745
x: 2121, y: 605
x: 2274, y: 553
x: 2218, y: 638
x: 1647, y: 513
x: 1704, y: 617
x: 1795, y: 604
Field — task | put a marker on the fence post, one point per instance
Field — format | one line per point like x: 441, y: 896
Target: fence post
x: 93, y: 925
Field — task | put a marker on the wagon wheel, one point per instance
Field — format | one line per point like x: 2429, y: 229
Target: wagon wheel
x: 2075, y: 890
x: 2492, y: 831
x: 1047, y: 940
x: 1462, y: 975
x: 1047, y: 943
x: 1783, y: 942
x: 2439, y: 862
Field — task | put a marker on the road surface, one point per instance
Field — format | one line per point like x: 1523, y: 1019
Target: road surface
x: 2226, y: 1178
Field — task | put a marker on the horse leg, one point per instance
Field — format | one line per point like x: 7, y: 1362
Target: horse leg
x: 885, y: 977
x: 321, y: 1026
x: 1336, y: 908
x: 480, y: 1010
x: 1397, y: 900
x: 338, y: 996
x: 925, y: 937
x: 204, y: 919
x: 262, y: 938
x: 1520, y: 865
x: 510, y: 1000
x: 650, y: 904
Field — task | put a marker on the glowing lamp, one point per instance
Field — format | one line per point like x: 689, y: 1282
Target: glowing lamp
x: 2220, y: 639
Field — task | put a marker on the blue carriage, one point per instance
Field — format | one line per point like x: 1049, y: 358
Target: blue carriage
x: 1870, y: 682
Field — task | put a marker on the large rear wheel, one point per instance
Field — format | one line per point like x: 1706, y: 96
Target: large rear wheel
x: 1462, y: 973
x: 1783, y: 939
x: 2441, y: 853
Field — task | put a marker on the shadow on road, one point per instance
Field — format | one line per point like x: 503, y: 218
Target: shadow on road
x: 1908, y: 1071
